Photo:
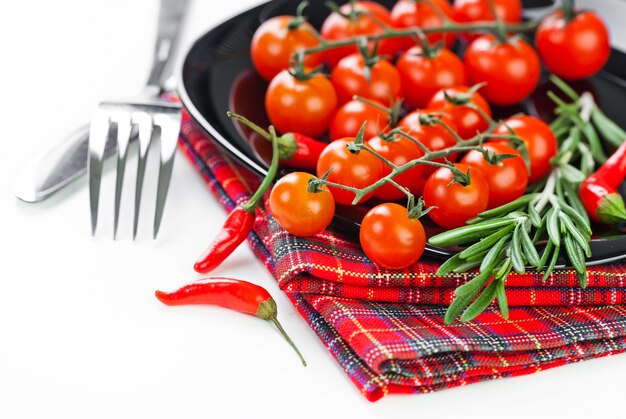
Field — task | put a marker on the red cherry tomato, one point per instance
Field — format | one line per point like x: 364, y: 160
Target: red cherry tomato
x: 349, y: 79
x: 422, y: 76
x: 350, y: 117
x: 274, y: 43
x: 349, y: 169
x: 511, y: 69
x: 398, y: 151
x: 337, y: 27
x: 390, y: 238
x: 306, y: 107
x: 300, y: 212
x: 466, y: 11
x: 540, y: 142
x: 506, y: 182
x: 435, y: 137
x: 455, y: 204
x: 467, y: 120
x: 576, y: 49
x: 422, y: 14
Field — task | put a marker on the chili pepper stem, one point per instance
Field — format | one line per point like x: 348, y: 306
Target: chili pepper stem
x: 287, y: 146
x: 269, y: 178
x: 268, y: 311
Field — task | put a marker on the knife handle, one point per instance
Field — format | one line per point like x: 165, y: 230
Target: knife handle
x: 53, y: 169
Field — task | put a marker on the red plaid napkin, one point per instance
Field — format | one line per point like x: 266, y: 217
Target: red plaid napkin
x: 385, y: 328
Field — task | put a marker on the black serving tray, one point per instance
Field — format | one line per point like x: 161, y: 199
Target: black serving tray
x: 217, y: 75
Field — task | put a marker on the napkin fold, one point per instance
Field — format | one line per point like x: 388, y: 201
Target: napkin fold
x: 385, y: 328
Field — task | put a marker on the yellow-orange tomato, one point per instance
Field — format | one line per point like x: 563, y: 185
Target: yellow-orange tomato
x: 300, y: 212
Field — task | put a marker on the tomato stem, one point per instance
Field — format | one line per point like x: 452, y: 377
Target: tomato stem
x: 447, y: 26
x: 568, y: 9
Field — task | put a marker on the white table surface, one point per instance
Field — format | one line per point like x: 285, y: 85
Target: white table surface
x: 81, y: 334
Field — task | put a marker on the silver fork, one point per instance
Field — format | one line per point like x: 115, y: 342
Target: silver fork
x: 149, y: 117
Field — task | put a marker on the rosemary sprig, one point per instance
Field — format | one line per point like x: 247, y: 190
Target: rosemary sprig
x: 551, y: 218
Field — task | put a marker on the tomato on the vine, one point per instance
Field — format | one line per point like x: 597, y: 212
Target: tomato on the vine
x: 299, y: 211
x: 390, y: 237
x: 573, y: 49
x: 274, y: 43
x: 540, y: 142
x: 398, y: 151
x: 507, y: 181
x: 350, y: 23
x: 466, y: 11
x: 455, y: 203
x: 350, y: 78
x: 425, y: 15
x: 468, y: 121
x: 305, y: 106
x: 357, y: 170
x: 350, y: 117
x: 511, y: 69
x: 423, y: 75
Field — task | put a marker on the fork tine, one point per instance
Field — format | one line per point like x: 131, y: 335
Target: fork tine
x: 170, y: 126
x: 123, y: 137
x: 98, y: 134
x: 144, y: 123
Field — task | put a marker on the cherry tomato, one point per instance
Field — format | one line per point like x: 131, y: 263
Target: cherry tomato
x: 455, y: 204
x: 337, y: 27
x: 435, y: 137
x: 300, y: 212
x: 511, y: 69
x: 306, y: 107
x: 423, y: 76
x: 540, y: 142
x: 576, y: 49
x: 358, y: 170
x: 350, y: 117
x: 507, y: 181
x: 349, y: 79
x: 390, y: 238
x: 422, y: 14
x: 274, y: 43
x: 467, y: 120
x: 398, y: 151
x: 465, y: 11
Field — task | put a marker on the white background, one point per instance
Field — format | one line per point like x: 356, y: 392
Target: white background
x: 81, y: 334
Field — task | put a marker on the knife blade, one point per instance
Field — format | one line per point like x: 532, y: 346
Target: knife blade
x: 53, y: 169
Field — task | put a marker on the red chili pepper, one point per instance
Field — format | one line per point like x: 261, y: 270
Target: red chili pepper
x: 236, y: 228
x: 234, y: 294
x: 598, y: 192
x: 296, y: 150
x: 239, y: 222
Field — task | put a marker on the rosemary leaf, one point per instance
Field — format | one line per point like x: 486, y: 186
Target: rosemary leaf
x: 517, y: 257
x: 468, y: 234
x: 529, y: 247
x: 450, y: 265
x: 508, y: 208
x: 502, y: 300
x: 553, y: 260
x: 456, y: 308
x: 481, y: 303
x: 486, y: 243
x: 494, y: 253
x: 552, y: 226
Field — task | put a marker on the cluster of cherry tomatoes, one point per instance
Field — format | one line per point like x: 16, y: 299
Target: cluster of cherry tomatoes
x: 430, y: 81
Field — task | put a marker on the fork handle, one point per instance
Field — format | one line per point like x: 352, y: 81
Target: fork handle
x: 171, y: 14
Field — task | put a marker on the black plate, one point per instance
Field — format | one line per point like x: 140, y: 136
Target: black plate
x: 217, y: 75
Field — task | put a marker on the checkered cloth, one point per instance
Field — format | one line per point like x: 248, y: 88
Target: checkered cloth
x: 385, y: 328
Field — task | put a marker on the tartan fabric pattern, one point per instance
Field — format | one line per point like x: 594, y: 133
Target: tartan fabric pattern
x: 385, y: 328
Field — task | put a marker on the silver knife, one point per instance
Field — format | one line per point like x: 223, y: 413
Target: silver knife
x: 52, y: 170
